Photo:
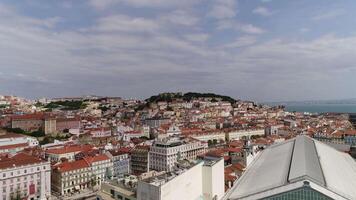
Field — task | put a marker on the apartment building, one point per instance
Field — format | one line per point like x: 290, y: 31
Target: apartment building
x: 166, y: 152
x: 121, y: 163
x: 101, y: 167
x: 68, y: 177
x: 140, y: 159
x: 67, y: 123
x: 25, y: 176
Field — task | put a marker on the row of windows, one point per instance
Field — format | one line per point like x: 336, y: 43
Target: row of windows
x: 18, y: 186
x: 190, y: 147
x: 18, y: 172
x: 76, y: 171
x: 19, y: 179
x: 67, y: 178
x: 71, y: 183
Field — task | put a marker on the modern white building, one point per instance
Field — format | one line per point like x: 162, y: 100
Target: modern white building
x: 233, y: 135
x: 24, y: 176
x: 127, y: 136
x: 190, y: 181
x: 165, y: 153
x: 245, y: 133
x: 13, y: 143
x: 213, y: 179
x: 299, y: 168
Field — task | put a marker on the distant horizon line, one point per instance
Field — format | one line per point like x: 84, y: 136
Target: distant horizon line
x: 143, y: 98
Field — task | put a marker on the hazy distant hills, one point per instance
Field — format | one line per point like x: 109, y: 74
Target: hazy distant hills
x: 314, y: 102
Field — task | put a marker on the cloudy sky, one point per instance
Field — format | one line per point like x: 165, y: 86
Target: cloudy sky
x: 264, y: 50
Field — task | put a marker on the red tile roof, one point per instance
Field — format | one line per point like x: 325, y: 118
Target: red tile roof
x: 234, y: 150
x: 69, y: 119
x: 350, y: 132
x: 97, y: 158
x: 35, y: 116
x: 120, y: 151
x: 14, y: 146
x: 19, y: 159
x: 70, y: 166
x: 70, y: 149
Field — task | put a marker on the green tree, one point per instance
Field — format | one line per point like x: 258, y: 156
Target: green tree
x: 210, y: 143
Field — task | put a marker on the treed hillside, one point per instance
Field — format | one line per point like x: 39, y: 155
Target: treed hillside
x: 66, y: 105
x: 188, y: 97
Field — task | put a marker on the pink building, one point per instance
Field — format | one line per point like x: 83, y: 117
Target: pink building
x: 25, y: 176
x: 67, y: 123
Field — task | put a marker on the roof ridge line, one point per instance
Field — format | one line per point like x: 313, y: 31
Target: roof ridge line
x: 290, y: 162
x: 321, y: 168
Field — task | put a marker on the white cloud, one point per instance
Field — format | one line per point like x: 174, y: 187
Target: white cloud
x: 125, y: 23
x: 144, y: 55
x: 180, y: 17
x: 304, y: 30
x: 263, y: 11
x: 197, y: 37
x: 284, y: 69
x: 112, y: 45
x: 241, y: 42
x: 238, y: 26
x: 223, y: 9
x: 249, y: 28
x: 104, y: 4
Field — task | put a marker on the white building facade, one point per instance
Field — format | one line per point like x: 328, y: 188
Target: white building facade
x: 202, y: 181
x: 25, y: 176
x: 165, y: 153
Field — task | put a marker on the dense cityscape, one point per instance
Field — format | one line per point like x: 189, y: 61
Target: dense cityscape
x: 172, y: 146
x: 177, y: 100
